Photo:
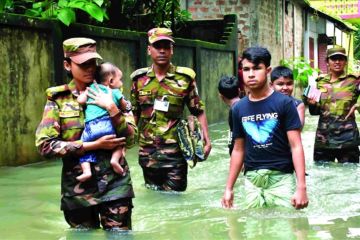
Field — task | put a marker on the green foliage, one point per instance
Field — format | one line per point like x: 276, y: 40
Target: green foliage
x: 357, y: 44
x: 164, y: 12
x: 64, y: 10
x: 125, y: 14
x: 301, y: 70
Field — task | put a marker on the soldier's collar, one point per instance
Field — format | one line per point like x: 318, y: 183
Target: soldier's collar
x: 343, y: 75
x: 72, y: 88
x: 169, y: 74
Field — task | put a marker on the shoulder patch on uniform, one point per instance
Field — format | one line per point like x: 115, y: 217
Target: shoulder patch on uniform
x: 355, y: 75
x: 186, y: 71
x: 321, y: 76
x: 139, y: 72
x: 53, y: 91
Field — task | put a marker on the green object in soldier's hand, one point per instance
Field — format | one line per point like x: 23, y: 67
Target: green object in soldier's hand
x: 191, y: 140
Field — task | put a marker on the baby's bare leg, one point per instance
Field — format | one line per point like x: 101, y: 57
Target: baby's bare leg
x: 86, y: 168
x: 115, y: 160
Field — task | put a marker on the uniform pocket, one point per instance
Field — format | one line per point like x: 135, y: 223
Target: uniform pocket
x: 176, y: 106
x: 146, y: 101
x: 70, y: 120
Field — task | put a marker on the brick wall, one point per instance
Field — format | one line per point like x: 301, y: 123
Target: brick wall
x: 210, y: 9
x: 322, y: 47
x: 259, y: 23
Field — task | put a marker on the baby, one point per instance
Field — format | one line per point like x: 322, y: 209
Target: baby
x: 97, y: 119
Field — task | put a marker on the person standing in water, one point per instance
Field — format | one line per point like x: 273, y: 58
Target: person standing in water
x: 337, y: 134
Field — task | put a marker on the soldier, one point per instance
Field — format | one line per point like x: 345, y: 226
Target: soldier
x: 158, y: 96
x: 107, y: 193
x: 337, y: 135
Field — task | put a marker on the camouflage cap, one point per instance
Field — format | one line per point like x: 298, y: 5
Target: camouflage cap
x: 157, y: 34
x: 80, y: 50
x: 336, y: 50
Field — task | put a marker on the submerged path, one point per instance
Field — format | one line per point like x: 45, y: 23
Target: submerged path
x: 30, y: 209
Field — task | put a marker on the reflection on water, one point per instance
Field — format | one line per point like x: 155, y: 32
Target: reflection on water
x: 29, y: 203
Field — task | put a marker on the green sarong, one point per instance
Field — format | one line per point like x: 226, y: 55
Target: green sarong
x: 268, y: 188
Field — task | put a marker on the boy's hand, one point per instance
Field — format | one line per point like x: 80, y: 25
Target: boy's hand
x: 300, y: 199
x: 228, y: 198
x: 351, y: 112
x: 311, y: 100
x: 207, y: 148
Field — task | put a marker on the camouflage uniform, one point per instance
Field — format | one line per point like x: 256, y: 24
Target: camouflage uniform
x: 158, y: 139
x: 335, y: 136
x: 58, y: 135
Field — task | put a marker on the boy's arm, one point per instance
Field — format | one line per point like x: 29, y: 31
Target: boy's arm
x: 301, y: 111
x: 236, y: 162
x: 300, y: 199
x: 204, y: 125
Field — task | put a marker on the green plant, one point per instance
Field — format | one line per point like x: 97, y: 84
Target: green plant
x: 64, y: 10
x: 124, y: 14
x: 302, y: 70
x: 162, y: 13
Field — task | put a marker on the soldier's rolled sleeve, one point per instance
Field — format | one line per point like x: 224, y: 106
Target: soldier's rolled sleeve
x: 358, y: 95
x: 48, y: 132
x: 314, y: 109
x: 134, y: 100
x: 195, y: 104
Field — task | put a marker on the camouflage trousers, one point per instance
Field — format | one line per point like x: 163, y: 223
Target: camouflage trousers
x: 114, y: 215
x: 166, y: 179
x: 343, y: 155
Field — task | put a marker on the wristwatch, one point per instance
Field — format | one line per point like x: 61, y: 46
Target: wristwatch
x: 128, y: 106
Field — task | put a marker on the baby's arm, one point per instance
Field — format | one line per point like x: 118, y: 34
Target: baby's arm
x: 82, y: 98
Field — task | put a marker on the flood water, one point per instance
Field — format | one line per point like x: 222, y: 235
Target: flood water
x: 30, y: 197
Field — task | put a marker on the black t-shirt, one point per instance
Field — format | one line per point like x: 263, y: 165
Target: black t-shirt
x: 231, y: 138
x: 264, y: 125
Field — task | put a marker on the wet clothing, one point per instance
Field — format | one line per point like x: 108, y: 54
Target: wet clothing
x: 114, y: 215
x: 343, y: 155
x: 58, y: 135
x: 166, y: 178
x: 337, y: 98
x: 268, y: 188
x: 264, y: 125
x: 158, y: 140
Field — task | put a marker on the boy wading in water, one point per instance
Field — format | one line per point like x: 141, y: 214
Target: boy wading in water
x: 266, y: 129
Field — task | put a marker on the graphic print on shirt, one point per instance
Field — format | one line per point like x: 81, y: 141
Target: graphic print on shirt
x: 260, y: 128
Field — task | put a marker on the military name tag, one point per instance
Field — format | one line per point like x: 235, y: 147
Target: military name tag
x: 161, y: 105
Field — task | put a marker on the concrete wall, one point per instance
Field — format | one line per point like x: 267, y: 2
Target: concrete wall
x: 24, y: 75
x: 32, y: 61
